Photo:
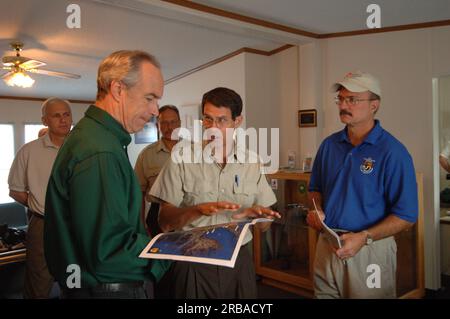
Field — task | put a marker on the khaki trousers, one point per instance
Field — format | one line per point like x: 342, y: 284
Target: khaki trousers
x: 38, y: 281
x: 358, y: 278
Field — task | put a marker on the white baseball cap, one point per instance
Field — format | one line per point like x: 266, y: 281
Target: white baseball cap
x: 359, y: 82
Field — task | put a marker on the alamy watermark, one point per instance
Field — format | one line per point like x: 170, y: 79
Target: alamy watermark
x: 247, y: 145
x: 74, y: 279
x: 374, y: 19
x: 73, y: 21
x: 374, y: 279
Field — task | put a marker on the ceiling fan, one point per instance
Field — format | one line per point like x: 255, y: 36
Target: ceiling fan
x: 19, y: 65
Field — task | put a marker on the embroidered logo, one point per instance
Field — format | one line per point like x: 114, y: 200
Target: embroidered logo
x: 367, y: 166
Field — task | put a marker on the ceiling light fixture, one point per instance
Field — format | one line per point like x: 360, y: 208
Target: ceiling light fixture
x: 19, y: 79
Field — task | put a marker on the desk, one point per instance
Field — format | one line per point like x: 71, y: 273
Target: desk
x: 14, y: 256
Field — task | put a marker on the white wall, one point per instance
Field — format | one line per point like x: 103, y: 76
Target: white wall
x: 21, y: 112
x: 268, y: 86
x: 189, y: 90
x: 272, y: 100
x: 310, y: 88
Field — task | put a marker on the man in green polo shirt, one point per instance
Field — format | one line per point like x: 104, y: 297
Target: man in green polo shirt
x: 93, y: 234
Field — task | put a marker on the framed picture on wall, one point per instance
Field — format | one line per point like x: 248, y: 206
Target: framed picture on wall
x: 149, y: 134
x: 307, y: 118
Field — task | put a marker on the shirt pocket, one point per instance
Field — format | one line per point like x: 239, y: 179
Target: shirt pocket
x: 245, y: 193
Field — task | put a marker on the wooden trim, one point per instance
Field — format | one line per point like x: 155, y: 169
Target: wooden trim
x: 240, y: 17
x: 39, y: 99
x: 226, y: 57
x: 313, y: 235
x: 257, y: 250
x: 304, y: 292
x: 282, y: 48
x: 413, y: 294
x: 294, y: 176
x: 280, y: 27
x: 420, y: 238
x: 13, y: 256
x: 386, y: 29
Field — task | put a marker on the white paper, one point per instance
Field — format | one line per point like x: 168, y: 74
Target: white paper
x: 330, y: 234
x: 215, y: 244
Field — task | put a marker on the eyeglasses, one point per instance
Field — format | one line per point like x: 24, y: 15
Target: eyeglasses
x: 169, y: 123
x: 220, y: 121
x: 350, y: 100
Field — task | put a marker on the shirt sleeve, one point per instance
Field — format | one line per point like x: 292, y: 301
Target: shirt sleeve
x: 100, y: 211
x: 168, y: 185
x: 17, y: 179
x: 446, y: 151
x: 401, y: 187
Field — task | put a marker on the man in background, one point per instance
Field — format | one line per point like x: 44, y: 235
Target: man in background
x: 28, y: 180
x: 153, y: 157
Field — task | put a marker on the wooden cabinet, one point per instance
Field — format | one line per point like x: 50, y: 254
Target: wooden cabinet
x: 284, y: 255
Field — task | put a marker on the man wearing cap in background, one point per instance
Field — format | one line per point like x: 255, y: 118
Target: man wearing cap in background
x: 363, y: 182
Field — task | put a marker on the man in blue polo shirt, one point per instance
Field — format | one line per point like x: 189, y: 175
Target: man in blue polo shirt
x: 363, y: 182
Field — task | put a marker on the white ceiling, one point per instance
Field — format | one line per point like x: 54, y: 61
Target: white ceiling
x: 330, y: 16
x: 181, y: 38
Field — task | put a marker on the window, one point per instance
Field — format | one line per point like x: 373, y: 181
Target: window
x: 31, y: 131
x: 6, y: 159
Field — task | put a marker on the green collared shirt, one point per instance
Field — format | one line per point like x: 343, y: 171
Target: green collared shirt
x: 92, y: 207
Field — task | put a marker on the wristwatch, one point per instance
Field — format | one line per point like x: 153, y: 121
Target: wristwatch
x: 369, y: 238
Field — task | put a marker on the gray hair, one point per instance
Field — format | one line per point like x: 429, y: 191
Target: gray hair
x: 50, y: 101
x: 121, y: 66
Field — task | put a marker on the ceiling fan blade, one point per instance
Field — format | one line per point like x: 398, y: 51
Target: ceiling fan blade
x: 54, y: 73
x: 32, y: 64
x: 14, y: 60
x: 4, y: 76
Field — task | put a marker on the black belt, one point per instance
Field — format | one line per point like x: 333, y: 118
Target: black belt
x: 118, y: 286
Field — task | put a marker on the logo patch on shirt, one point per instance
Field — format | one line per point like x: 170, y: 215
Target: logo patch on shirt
x: 367, y: 166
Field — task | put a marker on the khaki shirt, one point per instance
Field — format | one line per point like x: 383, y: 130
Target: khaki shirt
x: 149, y: 163
x: 31, y: 170
x: 189, y: 184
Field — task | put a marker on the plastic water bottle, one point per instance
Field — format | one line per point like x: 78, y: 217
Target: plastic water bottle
x: 291, y: 159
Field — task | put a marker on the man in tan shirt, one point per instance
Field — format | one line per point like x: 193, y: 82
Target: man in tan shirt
x: 213, y: 191
x: 153, y: 157
x: 28, y: 179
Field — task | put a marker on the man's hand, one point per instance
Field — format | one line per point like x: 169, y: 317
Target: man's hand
x: 313, y: 220
x: 257, y: 212
x: 211, y: 208
x: 353, y: 242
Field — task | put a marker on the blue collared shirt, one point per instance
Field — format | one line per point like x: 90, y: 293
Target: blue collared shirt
x: 361, y: 185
